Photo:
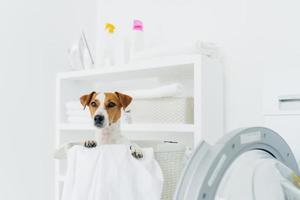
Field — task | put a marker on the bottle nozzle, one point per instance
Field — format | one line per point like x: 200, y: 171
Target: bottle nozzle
x: 138, y: 25
x: 110, y: 27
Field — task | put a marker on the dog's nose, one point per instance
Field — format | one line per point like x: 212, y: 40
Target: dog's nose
x: 99, y: 118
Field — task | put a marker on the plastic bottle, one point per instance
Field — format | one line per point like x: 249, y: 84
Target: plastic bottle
x: 108, y: 54
x: 126, y: 49
x: 138, y: 36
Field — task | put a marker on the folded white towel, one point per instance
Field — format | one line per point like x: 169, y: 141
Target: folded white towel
x: 78, y: 113
x: 170, y: 90
x: 109, y: 172
x: 79, y: 120
x: 76, y: 109
x: 74, y: 105
x: 163, y: 91
x: 177, y: 49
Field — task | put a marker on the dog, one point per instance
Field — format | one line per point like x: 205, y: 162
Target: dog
x: 106, y: 110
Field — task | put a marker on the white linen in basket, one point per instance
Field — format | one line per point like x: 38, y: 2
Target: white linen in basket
x: 109, y: 172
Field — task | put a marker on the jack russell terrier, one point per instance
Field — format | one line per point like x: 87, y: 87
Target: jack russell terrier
x: 105, y: 109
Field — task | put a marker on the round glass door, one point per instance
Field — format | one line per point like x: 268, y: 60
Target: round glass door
x: 249, y: 164
x: 252, y: 176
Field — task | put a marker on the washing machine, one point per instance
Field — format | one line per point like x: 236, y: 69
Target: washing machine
x: 247, y: 164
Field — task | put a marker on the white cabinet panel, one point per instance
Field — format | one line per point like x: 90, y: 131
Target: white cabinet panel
x: 281, y: 92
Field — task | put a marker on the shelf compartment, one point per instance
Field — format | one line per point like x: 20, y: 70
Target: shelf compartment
x: 176, y: 128
x: 182, y: 66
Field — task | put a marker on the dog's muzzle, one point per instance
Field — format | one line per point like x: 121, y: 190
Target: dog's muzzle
x: 99, y: 121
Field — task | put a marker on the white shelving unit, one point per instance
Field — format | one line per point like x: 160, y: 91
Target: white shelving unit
x: 201, y: 77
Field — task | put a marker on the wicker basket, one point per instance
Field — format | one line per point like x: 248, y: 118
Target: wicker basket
x: 171, y: 160
x: 163, y: 110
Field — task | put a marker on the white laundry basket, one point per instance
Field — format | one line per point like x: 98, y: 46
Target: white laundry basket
x: 170, y: 157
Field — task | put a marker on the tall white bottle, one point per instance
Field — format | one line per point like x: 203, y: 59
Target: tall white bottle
x: 109, y: 42
x: 137, y: 44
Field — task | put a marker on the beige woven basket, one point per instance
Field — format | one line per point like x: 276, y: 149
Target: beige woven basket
x: 162, y: 110
x: 170, y: 157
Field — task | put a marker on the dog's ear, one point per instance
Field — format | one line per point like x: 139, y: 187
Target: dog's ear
x: 86, y: 99
x: 125, y: 100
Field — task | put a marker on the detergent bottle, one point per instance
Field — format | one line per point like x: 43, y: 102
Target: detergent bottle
x: 109, y: 42
x: 138, y: 37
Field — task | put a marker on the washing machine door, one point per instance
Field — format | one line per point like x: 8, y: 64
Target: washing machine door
x: 250, y: 164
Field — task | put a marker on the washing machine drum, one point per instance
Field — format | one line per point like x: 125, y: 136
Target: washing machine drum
x: 248, y: 164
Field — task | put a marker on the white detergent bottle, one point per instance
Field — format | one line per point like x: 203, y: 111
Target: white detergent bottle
x: 108, y: 54
x: 137, y: 44
x: 121, y: 50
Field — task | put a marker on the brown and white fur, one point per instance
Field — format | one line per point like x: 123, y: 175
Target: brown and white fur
x: 106, y: 109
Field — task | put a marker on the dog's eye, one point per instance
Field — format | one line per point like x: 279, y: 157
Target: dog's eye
x: 111, y: 104
x: 93, y: 104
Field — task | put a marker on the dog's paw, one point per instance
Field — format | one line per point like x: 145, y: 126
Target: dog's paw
x: 90, y: 144
x: 136, y: 152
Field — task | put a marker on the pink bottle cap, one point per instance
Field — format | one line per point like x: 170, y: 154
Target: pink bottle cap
x: 137, y: 25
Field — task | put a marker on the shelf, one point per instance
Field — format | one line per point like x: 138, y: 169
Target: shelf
x: 177, y: 128
x: 177, y: 64
x: 159, y: 127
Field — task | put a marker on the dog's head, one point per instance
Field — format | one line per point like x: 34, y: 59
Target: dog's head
x: 105, y: 108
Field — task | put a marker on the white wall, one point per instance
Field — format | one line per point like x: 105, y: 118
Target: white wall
x: 253, y: 35
x: 34, y: 39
